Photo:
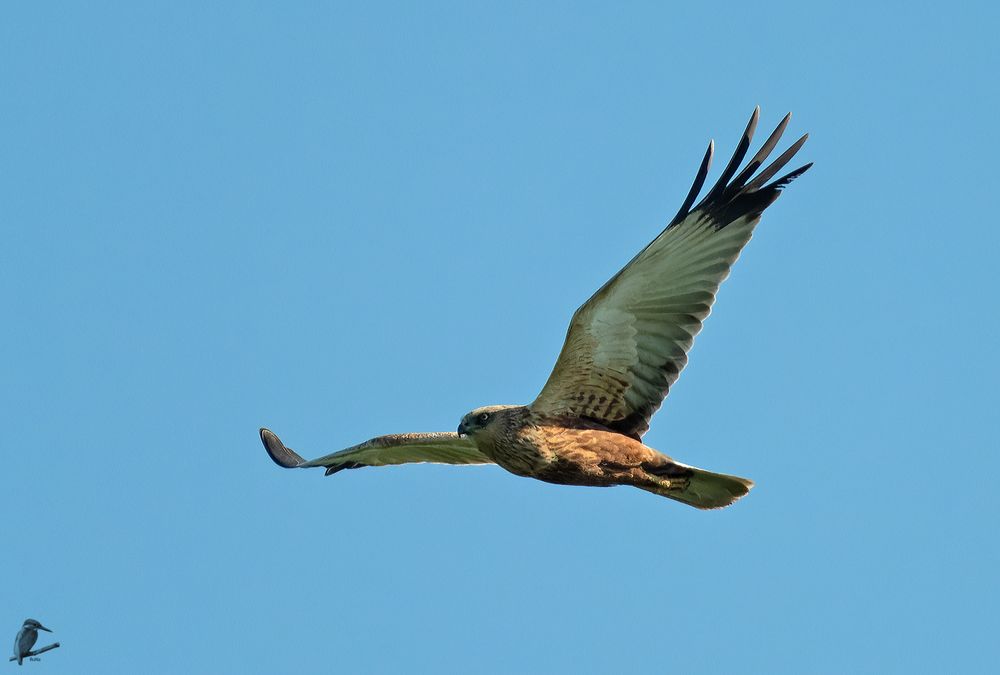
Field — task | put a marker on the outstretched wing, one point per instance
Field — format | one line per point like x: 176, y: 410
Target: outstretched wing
x: 628, y: 343
x: 438, y: 448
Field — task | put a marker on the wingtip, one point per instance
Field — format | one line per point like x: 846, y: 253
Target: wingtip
x: 699, y: 181
x: 276, y: 450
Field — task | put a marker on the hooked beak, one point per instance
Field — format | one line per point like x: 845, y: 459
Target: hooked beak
x: 463, y: 430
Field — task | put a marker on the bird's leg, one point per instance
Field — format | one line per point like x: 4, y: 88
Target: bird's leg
x: 668, y: 475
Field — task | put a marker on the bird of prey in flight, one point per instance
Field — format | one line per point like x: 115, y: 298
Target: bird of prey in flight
x: 624, y: 349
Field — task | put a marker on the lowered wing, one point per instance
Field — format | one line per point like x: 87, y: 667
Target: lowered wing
x: 628, y: 343
x: 437, y: 448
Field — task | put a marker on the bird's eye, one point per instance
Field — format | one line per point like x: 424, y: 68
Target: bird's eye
x: 484, y: 418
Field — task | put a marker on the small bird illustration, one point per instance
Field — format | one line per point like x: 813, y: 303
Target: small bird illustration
x: 624, y: 350
x: 26, y: 638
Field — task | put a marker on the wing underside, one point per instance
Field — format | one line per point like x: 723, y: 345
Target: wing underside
x: 628, y: 343
x: 436, y: 448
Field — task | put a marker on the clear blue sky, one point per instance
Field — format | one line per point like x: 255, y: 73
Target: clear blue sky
x: 342, y: 222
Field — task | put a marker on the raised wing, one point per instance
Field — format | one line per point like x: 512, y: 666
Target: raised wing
x: 628, y: 343
x: 438, y: 448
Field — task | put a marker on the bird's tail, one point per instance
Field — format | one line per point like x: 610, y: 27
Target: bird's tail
x: 697, y: 487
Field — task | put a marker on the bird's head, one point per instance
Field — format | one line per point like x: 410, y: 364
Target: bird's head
x: 482, y: 418
x: 31, y: 623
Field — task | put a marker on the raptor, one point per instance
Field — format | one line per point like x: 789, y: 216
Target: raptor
x: 624, y: 350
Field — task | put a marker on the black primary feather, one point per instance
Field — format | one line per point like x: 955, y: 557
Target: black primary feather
x: 699, y: 181
x: 733, y: 198
x: 737, y: 159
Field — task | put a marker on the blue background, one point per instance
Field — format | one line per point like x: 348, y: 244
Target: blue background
x: 346, y: 221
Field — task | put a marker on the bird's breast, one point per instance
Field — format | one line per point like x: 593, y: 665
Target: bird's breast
x: 524, y: 452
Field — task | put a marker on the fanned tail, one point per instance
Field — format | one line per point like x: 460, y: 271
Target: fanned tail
x: 697, y: 487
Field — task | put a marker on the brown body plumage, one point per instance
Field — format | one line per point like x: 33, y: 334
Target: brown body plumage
x: 573, y: 451
x: 563, y: 451
x: 624, y: 350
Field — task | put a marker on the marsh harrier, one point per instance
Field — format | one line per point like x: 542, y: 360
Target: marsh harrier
x: 624, y: 349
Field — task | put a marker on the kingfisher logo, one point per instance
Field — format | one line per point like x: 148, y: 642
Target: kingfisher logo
x: 25, y: 641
